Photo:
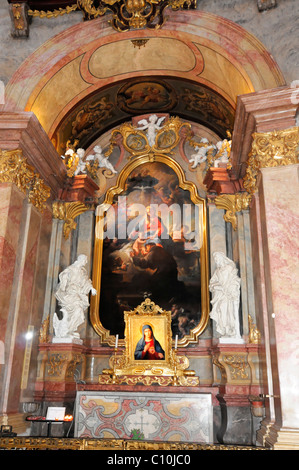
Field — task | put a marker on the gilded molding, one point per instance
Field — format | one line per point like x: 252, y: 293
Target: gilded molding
x: 68, y: 211
x: 127, y: 14
x: 271, y: 149
x: 15, y: 169
x: 54, y: 13
x: 43, y: 443
x: 232, y: 203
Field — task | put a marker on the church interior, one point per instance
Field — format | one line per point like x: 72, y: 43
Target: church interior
x: 149, y: 225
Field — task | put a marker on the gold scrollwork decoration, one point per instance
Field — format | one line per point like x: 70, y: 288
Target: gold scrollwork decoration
x: 54, y: 13
x: 55, y: 364
x: 135, y: 14
x: 232, y: 203
x: 15, y: 169
x: 68, y: 211
x: 271, y: 149
x: 239, y: 368
x: 136, y: 141
x: 126, y: 14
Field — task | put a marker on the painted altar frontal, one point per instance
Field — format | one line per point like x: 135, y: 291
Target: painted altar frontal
x: 132, y: 415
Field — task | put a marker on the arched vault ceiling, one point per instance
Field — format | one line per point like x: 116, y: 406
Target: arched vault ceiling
x: 119, y: 102
x: 90, y: 78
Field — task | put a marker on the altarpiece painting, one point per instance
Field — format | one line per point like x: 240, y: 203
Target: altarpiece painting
x: 151, y: 241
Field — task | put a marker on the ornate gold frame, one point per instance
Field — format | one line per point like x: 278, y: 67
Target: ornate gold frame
x: 171, y: 370
x: 147, y: 313
x: 98, y: 248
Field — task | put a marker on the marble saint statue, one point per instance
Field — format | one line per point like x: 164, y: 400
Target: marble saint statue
x: 225, y: 288
x: 72, y: 295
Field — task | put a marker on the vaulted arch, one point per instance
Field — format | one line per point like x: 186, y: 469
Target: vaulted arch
x: 198, y: 63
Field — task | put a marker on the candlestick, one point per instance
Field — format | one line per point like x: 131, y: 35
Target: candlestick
x: 116, y: 342
x: 176, y: 342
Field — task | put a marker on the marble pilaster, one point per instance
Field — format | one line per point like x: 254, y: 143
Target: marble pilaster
x: 278, y: 189
x: 22, y: 304
x: 244, y: 257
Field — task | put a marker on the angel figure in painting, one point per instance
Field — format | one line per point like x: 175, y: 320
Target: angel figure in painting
x: 152, y: 125
x: 148, y: 348
x: 225, y: 289
x: 72, y: 295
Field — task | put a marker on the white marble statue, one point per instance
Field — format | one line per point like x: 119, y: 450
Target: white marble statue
x: 225, y: 289
x: 100, y: 158
x: 75, y: 161
x: 200, y: 154
x: 223, y: 152
x: 72, y: 295
x: 81, y: 164
x: 151, y: 126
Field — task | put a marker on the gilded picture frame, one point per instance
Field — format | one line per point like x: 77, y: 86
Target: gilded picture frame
x: 107, y: 336
x: 160, y: 328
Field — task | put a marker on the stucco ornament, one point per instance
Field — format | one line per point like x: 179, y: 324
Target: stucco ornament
x: 225, y: 288
x: 99, y: 158
x: 201, y: 152
x: 152, y: 126
x: 72, y: 295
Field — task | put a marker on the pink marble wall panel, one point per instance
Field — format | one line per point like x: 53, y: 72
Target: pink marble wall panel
x: 23, y: 291
x: 261, y: 305
x: 38, y: 299
x: 11, y: 203
x: 281, y: 219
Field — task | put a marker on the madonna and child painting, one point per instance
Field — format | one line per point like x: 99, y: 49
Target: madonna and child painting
x: 155, y: 250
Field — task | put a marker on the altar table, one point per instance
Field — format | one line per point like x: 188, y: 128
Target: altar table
x: 151, y: 416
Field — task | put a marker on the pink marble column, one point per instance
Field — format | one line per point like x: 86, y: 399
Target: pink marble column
x: 279, y: 216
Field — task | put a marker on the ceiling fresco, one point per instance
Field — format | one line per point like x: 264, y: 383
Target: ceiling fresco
x: 120, y: 102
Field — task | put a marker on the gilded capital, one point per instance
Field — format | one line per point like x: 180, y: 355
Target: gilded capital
x: 68, y: 211
x: 271, y: 149
x: 232, y: 203
x: 15, y: 169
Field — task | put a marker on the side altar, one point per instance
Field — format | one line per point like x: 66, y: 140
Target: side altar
x: 158, y: 407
